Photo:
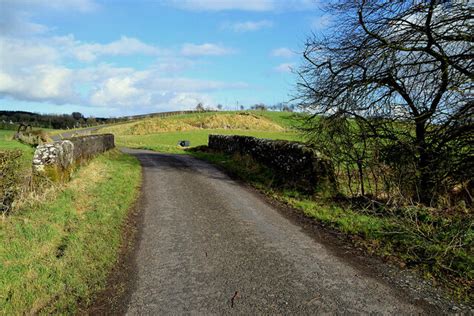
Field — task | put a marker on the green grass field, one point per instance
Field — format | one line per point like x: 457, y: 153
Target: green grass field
x: 7, y: 143
x: 168, y: 141
x: 58, y: 250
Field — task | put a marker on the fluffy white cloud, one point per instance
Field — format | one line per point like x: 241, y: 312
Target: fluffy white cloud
x: 150, y: 81
x: 18, y: 54
x: 284, y: 68
x: 25, y: 50
x: 283, y: 52
x: 206, y: 49
x: 36, y: 66
x: 122, y: 47
x: 145, y: 88
x: 43, y: 83
x: 119, y: 91
x: 248, y: 26
x: 34, y: 70
x: 186, y: 101
x: 243, y: 5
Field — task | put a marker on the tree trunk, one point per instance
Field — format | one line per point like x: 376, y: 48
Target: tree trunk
x: 361, y: 177
x: 423, y: 164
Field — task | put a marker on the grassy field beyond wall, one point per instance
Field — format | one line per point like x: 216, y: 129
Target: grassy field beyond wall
x: 163, y: 134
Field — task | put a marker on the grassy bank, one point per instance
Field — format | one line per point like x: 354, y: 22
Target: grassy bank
x: 58, y: 249
x: 439, y: 245
x: 7, y: 142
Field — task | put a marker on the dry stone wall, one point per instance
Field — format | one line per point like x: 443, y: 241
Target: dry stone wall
x: 56, y: 159
x: 293, y: 163
x: 86, y: 147
x: 60, y: 154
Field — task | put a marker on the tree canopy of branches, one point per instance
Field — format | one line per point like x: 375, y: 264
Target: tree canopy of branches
x: 402, y: 71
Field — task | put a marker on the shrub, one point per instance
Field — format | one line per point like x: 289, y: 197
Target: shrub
x: 9, y: 179
x: 33, y: 138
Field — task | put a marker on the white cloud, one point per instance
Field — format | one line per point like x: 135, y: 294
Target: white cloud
x: 243, y: 5
x: 16, y: 15
x: 284, y: 68
x: 34, y: 70
x: 249, y: 26
x: 63, y: 47
x: 321, y: 22
x: 146, y: 88
x: 183, y: 101
x: 18, y: 24
x: 37, y: 67
x: 119, y: 91
x: 16, y: 54
x: 122, y: 47
x: 187, y: 84
x: 206, y: 49
x: 42, y: 83
x: 283, y: 52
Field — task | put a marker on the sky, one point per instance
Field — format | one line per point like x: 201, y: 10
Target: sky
x: 116, y: 57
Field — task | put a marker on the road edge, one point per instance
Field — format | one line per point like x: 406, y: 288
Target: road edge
x: 434, y: 300
x: 114, y: 297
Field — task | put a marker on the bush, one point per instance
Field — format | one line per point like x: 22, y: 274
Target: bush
x: 33, y: 138
x: 9, y: 179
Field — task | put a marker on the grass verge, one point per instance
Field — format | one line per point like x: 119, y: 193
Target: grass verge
x: 56, y: 252
x: 440, y: 246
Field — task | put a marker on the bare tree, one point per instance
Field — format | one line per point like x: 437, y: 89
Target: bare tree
x: 200, y: 107
x: 406, y: 69
x: 259, y: 107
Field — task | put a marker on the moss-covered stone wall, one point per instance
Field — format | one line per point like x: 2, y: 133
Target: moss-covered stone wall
x: 57, y: 159
x: 294, y: 164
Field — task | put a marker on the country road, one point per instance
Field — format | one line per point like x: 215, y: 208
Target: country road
x: 209, y: 245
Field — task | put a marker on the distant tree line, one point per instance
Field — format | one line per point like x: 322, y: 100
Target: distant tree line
x: 10, y: 119
x: 282, y: 107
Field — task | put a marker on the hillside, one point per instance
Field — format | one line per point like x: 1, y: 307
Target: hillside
x: 163, y: 134
x: 191, y: 122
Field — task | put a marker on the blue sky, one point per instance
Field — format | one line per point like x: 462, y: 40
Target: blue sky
x: 112, y: 58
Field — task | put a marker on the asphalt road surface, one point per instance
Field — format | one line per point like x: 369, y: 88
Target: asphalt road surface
x: 209, y: 245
